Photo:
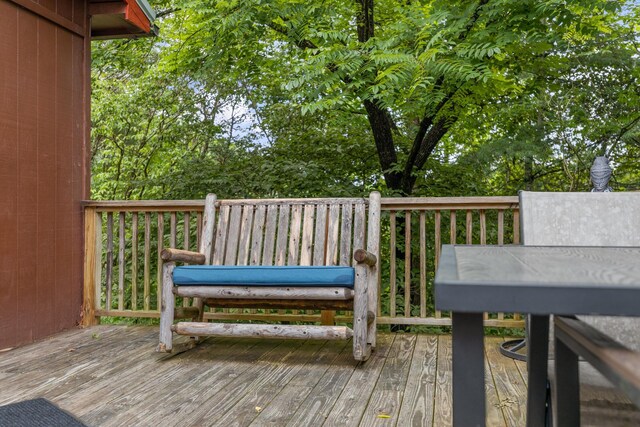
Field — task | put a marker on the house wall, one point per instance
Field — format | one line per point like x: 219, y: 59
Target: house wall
x: 44, y: 144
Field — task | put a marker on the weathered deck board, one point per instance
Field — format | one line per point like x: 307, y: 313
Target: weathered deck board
x: 229, y: 370
x: 276, y: 396
x: 417, y: 404
x: 108, y: 390
x: 495, y: 414
x: 442, y: 413
x: 386, y: 396
x: 351, y: 404
x: 319, y: 401
x: 283, y: 406
x: 167, y: 383
x: 58, y: 365
x: 509, y: 386
x: 31, y: 352
x: 110, y: 376
x: 243, y: 402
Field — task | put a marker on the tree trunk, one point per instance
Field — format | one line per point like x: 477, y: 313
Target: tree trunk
x: 381, y: 127
x: 528, y: 173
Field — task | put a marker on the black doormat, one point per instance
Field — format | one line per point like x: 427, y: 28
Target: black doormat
x: 36, y: 413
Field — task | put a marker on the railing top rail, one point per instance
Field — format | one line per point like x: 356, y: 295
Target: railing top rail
x: 197, y: 205
x: 144, y: 205
x: 388, y: 203
x: 444, y: 203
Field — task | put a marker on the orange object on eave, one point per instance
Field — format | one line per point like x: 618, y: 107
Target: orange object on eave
x: 134, y: 15
x: 121, y: 18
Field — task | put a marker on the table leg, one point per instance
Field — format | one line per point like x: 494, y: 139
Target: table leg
x: 468, y: 370
x: 537, y: 357
x: 567, y: 403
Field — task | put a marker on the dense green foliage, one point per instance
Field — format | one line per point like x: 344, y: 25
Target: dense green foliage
x: 291, y: 98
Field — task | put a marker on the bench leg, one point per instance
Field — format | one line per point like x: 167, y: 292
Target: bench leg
x: 372, y: 313
x: 567, y: 404
x: 361, y: 347
x: 167, y: 310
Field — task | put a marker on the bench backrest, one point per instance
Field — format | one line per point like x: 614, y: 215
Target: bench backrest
x: 287, y: 231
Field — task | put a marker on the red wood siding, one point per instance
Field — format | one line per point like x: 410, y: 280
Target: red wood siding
x: 43, y: 168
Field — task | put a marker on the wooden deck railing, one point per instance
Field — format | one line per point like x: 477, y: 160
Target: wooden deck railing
x: 123, y: 241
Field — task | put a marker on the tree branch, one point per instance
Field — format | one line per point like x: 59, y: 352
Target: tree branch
x: 473, y: 20
x: 301, y: 43
x: 167, y: 12
x: 622, y: 132
x: 424, y: 142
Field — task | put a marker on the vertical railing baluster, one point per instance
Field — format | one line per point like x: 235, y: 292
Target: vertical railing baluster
x: 438, y: 248
x: 516, y: 241
x: 469, y: 228
x: 483, y: 227
x: 186, y: 219
x: 147, y: 261
x: 393, y: 284
x: 198, y: 228
x: 501, y: 241
x: 423, y: 264
x: 159, y: 260
x: 134, y: 261
x: 173, y: 235
x: 109, y: 260
x: 452, y: 227
x: 501, y: 227
x: 173, y: 231
x: 98, y: 264
x: 407, y: 263
x: 121, y: 247
x: 186, y: 231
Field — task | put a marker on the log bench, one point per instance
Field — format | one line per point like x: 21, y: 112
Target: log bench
x: 318, y: 254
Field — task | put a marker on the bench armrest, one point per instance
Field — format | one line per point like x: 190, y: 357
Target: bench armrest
x: 363, y: 257
x: 179, y: 255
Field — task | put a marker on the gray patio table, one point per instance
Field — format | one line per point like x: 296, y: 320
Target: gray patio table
x: 538, y: 280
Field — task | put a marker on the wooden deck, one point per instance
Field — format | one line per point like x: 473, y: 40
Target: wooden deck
x: 110, y: 376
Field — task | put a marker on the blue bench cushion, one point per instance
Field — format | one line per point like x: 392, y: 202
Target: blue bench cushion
x: 217, y: 275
